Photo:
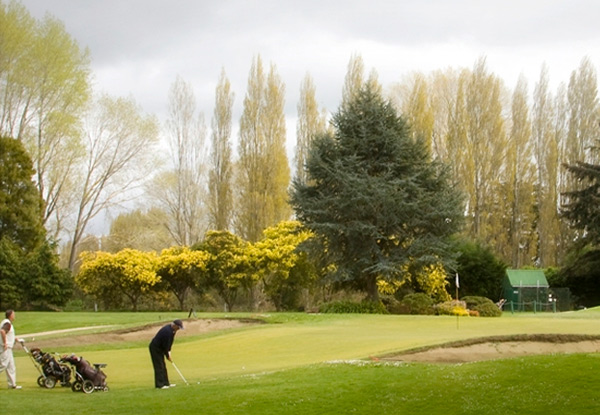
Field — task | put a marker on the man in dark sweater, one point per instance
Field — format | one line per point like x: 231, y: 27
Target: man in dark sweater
x: 160, y: 347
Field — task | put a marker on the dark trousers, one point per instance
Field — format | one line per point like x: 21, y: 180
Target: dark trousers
x: 161, y: 378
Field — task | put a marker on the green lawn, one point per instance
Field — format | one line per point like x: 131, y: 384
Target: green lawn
x: 303, y: 364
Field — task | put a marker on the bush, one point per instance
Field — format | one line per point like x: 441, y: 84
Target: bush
x: 484, y: 306
x: 417, y: 303
x: 452, y: 308
x: 473, y: 301
x: 347, y: 307
x: 488, y: 310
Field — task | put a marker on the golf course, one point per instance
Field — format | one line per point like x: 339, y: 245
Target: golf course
x: 296, y: 363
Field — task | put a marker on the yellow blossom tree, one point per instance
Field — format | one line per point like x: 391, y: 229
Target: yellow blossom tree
x: 430, y: 280
x: 128, y: 272
x: 228, y: 268
x: 182, y: 269
x: 283, y: 269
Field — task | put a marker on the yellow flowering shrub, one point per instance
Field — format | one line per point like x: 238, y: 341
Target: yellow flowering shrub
x: 130, y: 272
x: 182, y: 268
x: 281, y: 267
x: 431, y: 280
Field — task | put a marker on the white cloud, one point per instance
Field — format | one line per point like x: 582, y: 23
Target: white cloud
x: 138, y: 47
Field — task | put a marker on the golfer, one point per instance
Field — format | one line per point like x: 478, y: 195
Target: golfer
x: 160, y: 347
x: 7, y: 361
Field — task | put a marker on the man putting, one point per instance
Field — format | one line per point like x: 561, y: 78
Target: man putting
x: 160, y: 347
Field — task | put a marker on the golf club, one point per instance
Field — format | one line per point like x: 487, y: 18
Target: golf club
x: 180, y: 374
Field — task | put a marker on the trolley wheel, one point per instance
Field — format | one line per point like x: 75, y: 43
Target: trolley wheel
x: 88, y: 386
x: 77, y: 386
x: 40, y: 381
x: 105, y: 389
x: 49, y: 382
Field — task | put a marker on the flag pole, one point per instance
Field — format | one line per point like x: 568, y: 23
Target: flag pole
x: 457, y: 283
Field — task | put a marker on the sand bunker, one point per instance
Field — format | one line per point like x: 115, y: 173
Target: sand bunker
x: 72, y: 340
x: 501, y: 348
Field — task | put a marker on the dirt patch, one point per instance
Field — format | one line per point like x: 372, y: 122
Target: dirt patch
x: 500, y: 348
x: 70, y: 339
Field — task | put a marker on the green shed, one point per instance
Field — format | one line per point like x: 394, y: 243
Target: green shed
x: 525, y: 286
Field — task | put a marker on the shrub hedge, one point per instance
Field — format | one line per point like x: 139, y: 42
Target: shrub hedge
x: 484, y: 306
x: 417, y: 303
x: 363, y: 307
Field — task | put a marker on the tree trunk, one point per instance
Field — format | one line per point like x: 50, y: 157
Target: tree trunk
x: 372, y: 291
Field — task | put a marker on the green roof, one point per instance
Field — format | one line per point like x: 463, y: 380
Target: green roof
x: 527, y: 278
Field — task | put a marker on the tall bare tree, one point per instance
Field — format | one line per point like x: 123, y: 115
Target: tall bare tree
x: 181, y: 190
x: 119, y: 141
x: 220, y: 180
x: 138, y: 229
x: 263, y: 172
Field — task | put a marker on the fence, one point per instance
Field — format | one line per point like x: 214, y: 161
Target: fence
x: 535, y: 306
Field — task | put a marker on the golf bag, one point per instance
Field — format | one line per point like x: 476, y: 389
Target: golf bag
x: 51, y: 370
x: 87, y: 378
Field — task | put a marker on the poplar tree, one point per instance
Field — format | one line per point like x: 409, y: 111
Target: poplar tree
x: 560, y: 127
x: 419, y: 112
x: 485, y: 150
x: 546, y: 153
x: 583, y: 132
x: 459, y: 159
x: 220, y: 176
x: 521, y: 248
x: 263, y: 172
x: 311, y: 123
x: 355, y: 78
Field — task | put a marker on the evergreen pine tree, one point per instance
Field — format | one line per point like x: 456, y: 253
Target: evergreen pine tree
x: 379, y: 205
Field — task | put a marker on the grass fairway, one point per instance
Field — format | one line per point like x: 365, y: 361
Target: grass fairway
x: 310, y: 364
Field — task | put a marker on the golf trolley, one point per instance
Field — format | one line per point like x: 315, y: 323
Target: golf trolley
x: 87, y: 378
x: 51, y: 371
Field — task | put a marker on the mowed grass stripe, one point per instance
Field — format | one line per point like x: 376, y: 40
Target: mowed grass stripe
x: 272, y: 347
x: 533, y: 385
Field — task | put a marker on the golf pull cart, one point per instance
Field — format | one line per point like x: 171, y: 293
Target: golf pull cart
x: 87, y: 378
x: 51, y: 371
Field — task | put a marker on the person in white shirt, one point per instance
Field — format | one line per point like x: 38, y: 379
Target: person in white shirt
x: 7, y: 361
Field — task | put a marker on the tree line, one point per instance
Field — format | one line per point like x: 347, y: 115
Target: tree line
x: 90, y: 153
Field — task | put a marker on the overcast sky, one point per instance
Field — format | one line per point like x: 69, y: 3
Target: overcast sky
x: 138, y: 47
